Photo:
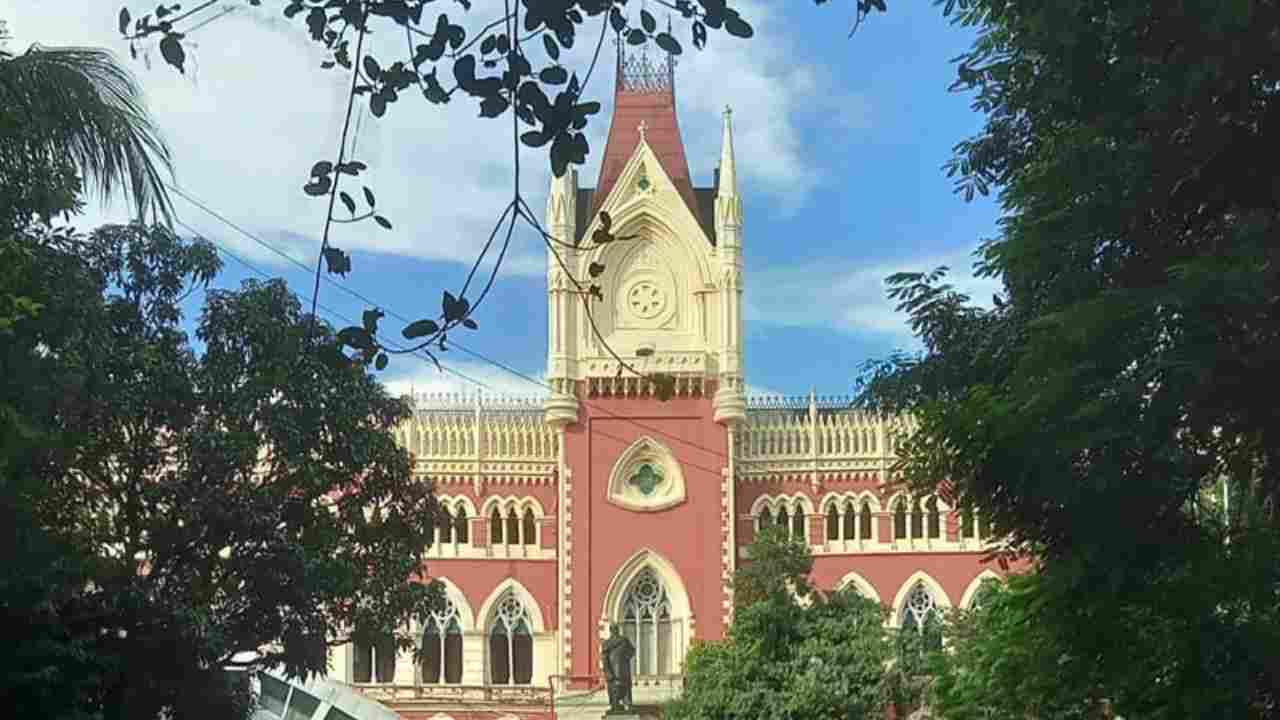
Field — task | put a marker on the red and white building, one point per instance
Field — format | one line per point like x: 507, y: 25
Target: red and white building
x: 602, y: 504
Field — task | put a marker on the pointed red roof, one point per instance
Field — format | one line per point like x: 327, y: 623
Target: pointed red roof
x: 644, y: 92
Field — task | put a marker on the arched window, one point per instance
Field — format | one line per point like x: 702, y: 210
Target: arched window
x: 373, y: 662
x: 647, y: 622
x: 900, y: 519
x: 920, y: 631
x: 765, y: 520
x: 798, y: 525
x: 510, y: 643
x: 917, y: 519
x: 933, y: 518
x: 833, y: 522
x: 530, y: 527
x: 850, y: 521
x: 444, y: 525
x: 784, y: 520
x: 461, y: 525
x: 864, y: 521
x: 513, y: 527
x: 442, y: 647
x: 495, y: 527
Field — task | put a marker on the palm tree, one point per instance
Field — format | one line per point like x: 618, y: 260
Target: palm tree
x: 80, y: 113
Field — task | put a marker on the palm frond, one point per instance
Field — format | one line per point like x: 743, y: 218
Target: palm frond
x: 79, y: 105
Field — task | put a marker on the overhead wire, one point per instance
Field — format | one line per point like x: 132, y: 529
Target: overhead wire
x: 454, y: 343
x: 444, y: 367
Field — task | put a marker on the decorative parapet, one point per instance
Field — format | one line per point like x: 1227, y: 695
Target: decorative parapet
x: 813, y: 431
x: 471, y: 428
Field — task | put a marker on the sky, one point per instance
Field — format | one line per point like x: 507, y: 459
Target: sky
x: 839, y: 142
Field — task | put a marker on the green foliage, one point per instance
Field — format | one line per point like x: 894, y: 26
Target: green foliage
x: 1119, y: 377
x: 512, y: 63
x: 68, y: 113
x: 172, y: 510
x: 782, y: 660
x: 778, y: 569
x: 792, y: 651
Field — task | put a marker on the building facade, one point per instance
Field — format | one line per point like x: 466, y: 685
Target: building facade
x: 602, y: 503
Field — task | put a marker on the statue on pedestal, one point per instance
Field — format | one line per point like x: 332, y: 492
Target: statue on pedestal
x: 616, y: 652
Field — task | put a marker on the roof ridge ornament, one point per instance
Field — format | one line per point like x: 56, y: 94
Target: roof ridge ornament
x: 639, y: 74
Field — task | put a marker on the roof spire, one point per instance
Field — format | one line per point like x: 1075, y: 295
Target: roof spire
x: 728, y: 168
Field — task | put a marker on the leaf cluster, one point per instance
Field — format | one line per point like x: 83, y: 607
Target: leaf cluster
x: 1117, y: 377
x: 177, y: 508
x: 792, y: 651
x: 495, y: 64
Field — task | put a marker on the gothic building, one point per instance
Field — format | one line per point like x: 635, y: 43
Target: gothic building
x: 604, y: 504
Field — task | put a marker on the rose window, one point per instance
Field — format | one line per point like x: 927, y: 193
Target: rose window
x: 646, y: 299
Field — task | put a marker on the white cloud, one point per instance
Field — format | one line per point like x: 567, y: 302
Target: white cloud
x: 461, y: 379
x: 824, y: 295
x: 254, y: 111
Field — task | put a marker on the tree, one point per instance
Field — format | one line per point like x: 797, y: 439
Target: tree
x: 779, y: 569
x: 72, y: 114
x: 179, y: 510
x: 1118, y: 377
x: 1002, y: 661
x: 791, y: 652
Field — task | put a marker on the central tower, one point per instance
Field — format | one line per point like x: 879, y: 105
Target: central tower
x: 672, y: 281
x: 646, y: 493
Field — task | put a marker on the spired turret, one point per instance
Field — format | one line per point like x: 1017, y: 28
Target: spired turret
x: 730, y: 403
x: 671, y: 282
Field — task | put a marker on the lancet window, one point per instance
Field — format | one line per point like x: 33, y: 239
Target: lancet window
x: 510, y: 643
x: 849, y: 520
x: 373, y: 662
x: 921, y: 627
x: 917, y: 519
x: 452, y: 524
x: 442, y: 647
x: 647, y: 622
x: 973, y: 526
x: 790, y: 516
x: 511, y: 527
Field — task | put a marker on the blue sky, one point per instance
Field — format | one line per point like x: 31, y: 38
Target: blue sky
x: 840, y: 143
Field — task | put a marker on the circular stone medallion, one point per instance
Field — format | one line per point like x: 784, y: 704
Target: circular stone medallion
x: 646, y: 300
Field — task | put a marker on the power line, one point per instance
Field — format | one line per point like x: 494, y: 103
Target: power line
x: 480, y: 383
x: 390, y: 311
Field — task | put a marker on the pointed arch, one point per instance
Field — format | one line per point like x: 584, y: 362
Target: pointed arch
x: 621, y: 581
x: 799, y: 499
x: 439, y: 640
x: 762, y: 503
x: 675, y: 220
x: 530, y: 502
x: 921, y: 577
x: 459, y: 600
x: 863, y: 587
x: 489, y: 608
x: 966, y: 600
x: 455, y: 500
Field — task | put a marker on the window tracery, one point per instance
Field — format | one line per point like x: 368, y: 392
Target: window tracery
x: 510, y: 643
x: 647, y: 622
x: 442, y: 647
